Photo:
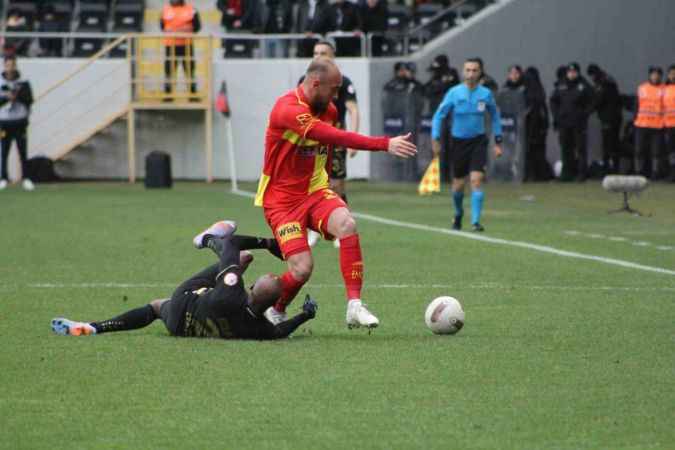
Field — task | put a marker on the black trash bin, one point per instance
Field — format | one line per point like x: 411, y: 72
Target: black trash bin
x: 158, y: 170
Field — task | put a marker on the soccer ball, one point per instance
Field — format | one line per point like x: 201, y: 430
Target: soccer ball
x: 444, y: 315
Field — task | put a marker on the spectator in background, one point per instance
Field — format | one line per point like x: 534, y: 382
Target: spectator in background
x: 485, y: 79
x: 345, y: 16
x: 571, y: 104
x: 537, y: 167
x: 16, y: 23
x: 560, y: 75
x: 443, y: 77
x: 514, y: 78
x: 312, y: 18
x: 669, y: 117
x: 649, y: 125
x: 277, y: 19
x: 404, y: 79
x: 607, y: 103
x: 49, y: 23
x: 16, y: 98
x: 179, y: 17
x: 239, y: 15
x: 374, y: 14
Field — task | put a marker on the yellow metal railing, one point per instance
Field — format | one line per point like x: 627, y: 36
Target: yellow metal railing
x: 166, y: 71
x: 169, y: 72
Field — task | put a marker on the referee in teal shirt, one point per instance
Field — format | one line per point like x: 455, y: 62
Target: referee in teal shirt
x: 468, y: 103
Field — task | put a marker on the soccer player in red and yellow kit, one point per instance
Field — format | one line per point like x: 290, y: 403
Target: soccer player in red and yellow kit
x: 293, y: 188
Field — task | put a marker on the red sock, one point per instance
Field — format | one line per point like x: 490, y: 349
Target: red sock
x: 351, y: 265
x: 289, y: 289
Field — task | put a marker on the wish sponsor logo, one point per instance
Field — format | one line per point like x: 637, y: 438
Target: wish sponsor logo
x: 288, y: 231
x: 312, y: 151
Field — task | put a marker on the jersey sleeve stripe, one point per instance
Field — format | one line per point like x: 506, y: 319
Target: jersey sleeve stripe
x: 295, y: 139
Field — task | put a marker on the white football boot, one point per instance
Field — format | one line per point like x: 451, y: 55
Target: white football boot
x: 65, y: 327
x: 218, y: 229
x: 313, y: 237
x: 3, y: 185
x: 336, y: 243
x: 359, y: 316
x: 275, y: 317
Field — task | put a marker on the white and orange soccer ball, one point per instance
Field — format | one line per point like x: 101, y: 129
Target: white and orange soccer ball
x: 444, y: 315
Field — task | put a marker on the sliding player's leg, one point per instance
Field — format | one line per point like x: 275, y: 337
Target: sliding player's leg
x: 290, y: 231
x: 300, y: 266
x: 129, y: 320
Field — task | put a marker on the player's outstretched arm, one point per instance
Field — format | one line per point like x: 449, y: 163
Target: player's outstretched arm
x: 327, y: 134
x: 284, y: 329
x: 402, y: 147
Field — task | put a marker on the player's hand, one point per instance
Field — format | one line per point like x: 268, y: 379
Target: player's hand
x: 402, y: 147
x: 498, y: 150
x: 435, y: 148
x: 309, y: 307
x: 351, y: 152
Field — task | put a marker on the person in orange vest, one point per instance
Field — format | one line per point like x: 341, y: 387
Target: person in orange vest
x: 669, y: 117
x: 649, y: 125
x: 179, y: 17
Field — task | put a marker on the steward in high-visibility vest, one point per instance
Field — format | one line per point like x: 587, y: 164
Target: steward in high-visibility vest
x: 669, y: 100
x: 179, y: 17
x: 669, y: 117
x: 649, y: 125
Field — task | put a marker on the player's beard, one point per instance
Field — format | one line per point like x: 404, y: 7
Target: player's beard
x: 319, y: 106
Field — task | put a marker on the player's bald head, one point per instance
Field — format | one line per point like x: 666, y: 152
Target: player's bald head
x: 322, y: 68
x: 265, y: 292
x: 322, y: 82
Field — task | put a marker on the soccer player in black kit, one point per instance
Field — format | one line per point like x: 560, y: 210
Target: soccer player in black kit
x: 214, y: 302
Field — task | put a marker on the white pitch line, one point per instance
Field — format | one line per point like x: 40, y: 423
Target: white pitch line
x: 491, y: 240
x: 527, y: 245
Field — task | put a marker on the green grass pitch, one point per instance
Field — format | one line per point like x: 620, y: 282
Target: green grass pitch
x: 557, y: 352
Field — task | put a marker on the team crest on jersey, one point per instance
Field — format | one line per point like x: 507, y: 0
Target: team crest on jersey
x: 481, y: 106
x: 304, y: 119
x: 231, y: 279
x: 288, y: 231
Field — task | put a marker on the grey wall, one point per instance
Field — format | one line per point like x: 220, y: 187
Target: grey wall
x: 622, y: 36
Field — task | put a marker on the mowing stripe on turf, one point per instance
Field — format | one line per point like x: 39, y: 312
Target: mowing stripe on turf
x: 491, y: 240
x: 527, y: 245
x: 478, y: 286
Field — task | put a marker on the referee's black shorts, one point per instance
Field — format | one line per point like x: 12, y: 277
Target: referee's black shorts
x: 469, y: 155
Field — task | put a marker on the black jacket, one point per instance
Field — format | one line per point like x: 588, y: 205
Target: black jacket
x: 537, y: 110
x: 316, y: 24
x: 572, y: 103
x: 607, y: 100
x: 14, y: 113
x: 344, y: 17
x: 250, y: 15
x: 374, y: 19
x: 277, y: 16
x: 436, y: 88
